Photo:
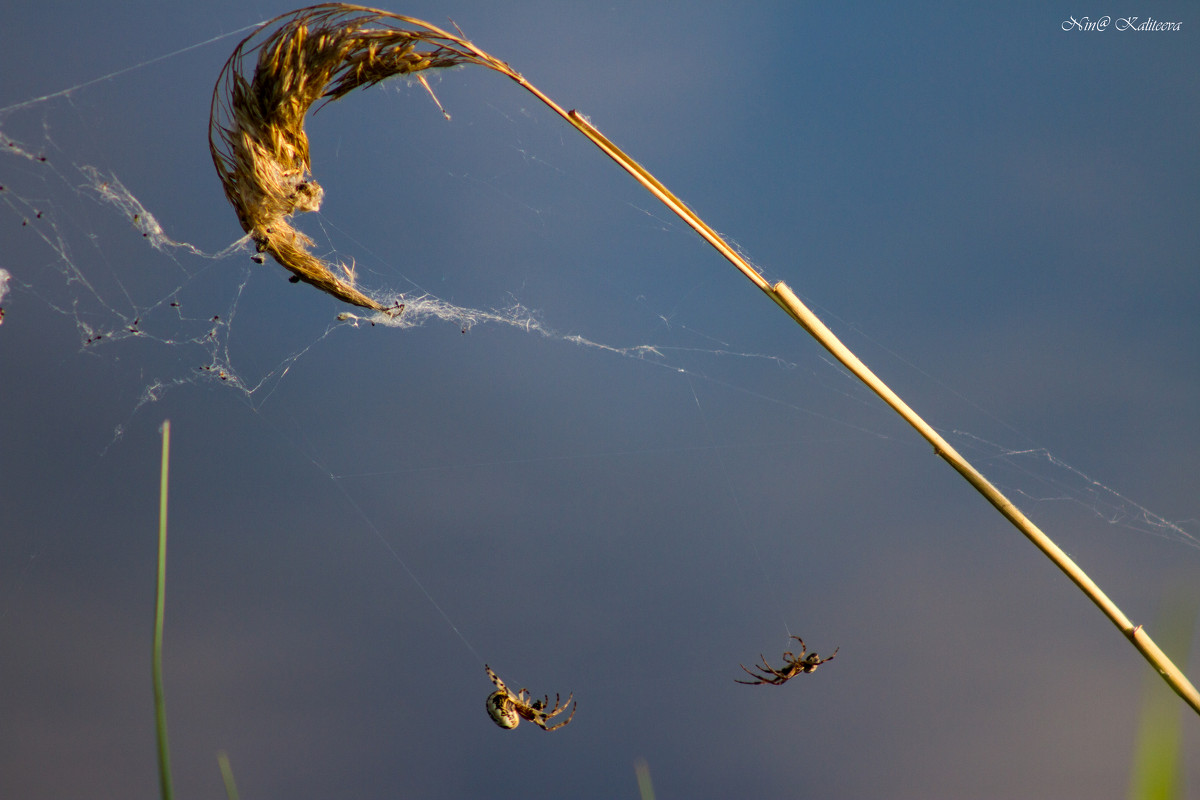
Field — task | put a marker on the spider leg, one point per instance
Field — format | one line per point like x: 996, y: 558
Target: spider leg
x: 558, y: 706
x: 819, y: 661
x: 769, y: 674
x: 571, y: 716
x: 763, y: 681
x: 784, y: 672
x: 757, y: 679
x: 765, y: 666
x: 496, y: 680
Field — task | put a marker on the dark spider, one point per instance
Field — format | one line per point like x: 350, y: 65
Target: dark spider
x: 794, y: 665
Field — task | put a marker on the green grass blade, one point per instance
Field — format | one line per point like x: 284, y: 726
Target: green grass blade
x: 160, y: 590
x: 1156, y: 762
x: 645, y: 787
x: 227, y: 775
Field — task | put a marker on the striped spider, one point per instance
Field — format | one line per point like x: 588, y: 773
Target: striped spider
x: 793, y: 666
x: 508, y: 709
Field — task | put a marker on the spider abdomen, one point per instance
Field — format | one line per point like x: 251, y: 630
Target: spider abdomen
x: 502, y: 711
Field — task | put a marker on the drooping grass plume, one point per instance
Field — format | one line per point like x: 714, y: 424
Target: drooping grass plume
x: 322, y: 53
x: 266, y: 88
x: 268, y: 85
x: 257, y: 139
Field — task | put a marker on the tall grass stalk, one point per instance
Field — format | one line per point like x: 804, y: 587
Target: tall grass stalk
x: 160, y: 591
x: 260, y: 150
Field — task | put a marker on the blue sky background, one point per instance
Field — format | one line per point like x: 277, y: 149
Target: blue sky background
x: 999, y: 216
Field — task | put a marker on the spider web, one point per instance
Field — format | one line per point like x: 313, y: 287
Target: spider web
x: 591, y: 357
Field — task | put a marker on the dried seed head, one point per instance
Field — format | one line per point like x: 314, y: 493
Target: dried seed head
x: 256, y: 126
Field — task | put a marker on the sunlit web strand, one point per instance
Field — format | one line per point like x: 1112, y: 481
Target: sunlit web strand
x: 125, y: 70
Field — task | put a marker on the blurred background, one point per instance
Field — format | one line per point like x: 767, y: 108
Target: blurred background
x: 998, y: 215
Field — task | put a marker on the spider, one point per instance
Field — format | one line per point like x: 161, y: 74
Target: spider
x: 794, y: 665
x: 507, y: 709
